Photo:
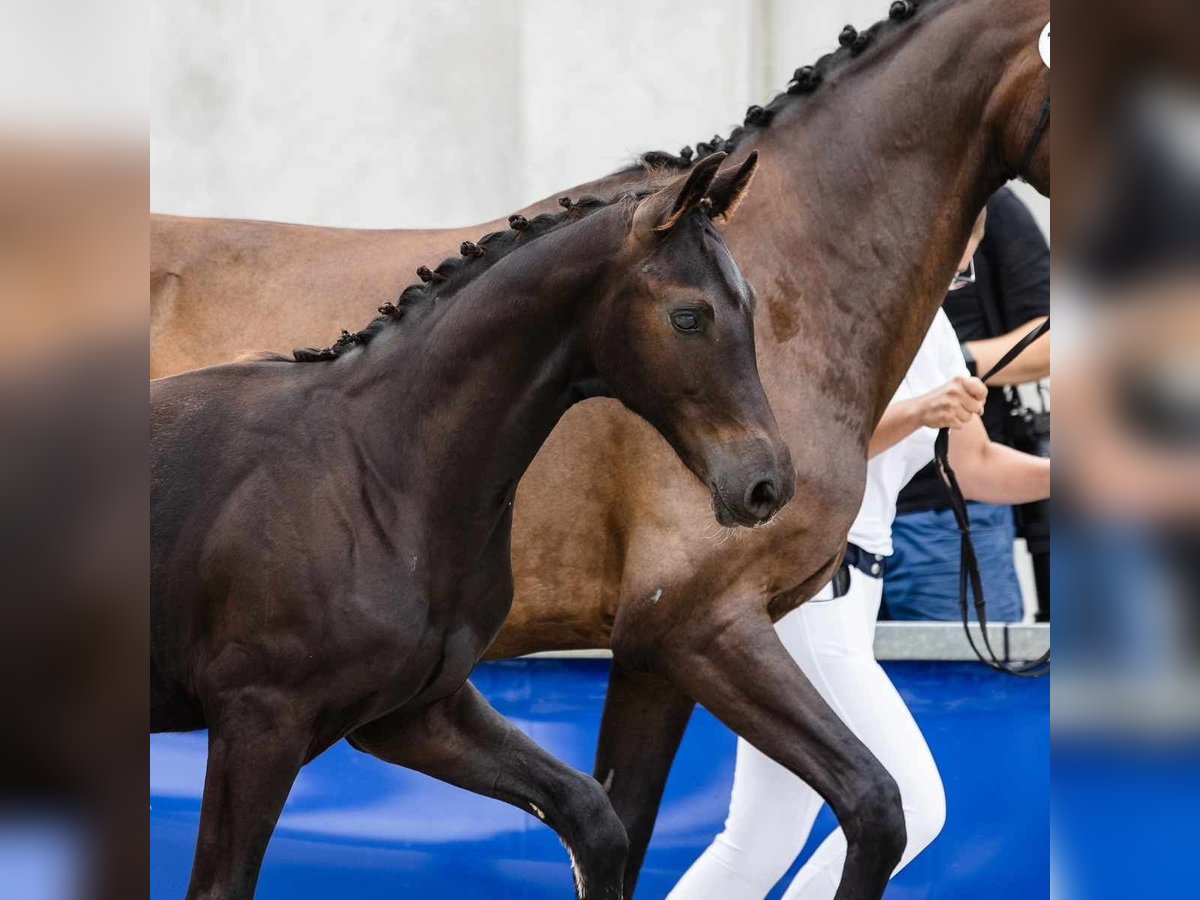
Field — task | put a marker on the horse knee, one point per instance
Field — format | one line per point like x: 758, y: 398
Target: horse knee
x: 876, y: 822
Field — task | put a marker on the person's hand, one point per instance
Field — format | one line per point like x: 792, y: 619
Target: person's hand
x: 954, y: 404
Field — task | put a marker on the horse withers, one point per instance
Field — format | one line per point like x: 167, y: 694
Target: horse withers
x: 331, y: 533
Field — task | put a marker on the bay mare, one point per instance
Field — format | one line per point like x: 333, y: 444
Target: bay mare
x: 876, y: 162
x: 330, y: 535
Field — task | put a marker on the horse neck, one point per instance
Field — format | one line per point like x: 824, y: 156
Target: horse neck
x: 871, y: 189
x: 465, y: 393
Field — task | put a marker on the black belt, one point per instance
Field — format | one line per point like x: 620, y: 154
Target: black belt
x: 873, y: 564
x: 870, y: 564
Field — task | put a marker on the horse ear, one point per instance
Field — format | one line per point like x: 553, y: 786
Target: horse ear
x: 661, y: 211
x: 730, y: 186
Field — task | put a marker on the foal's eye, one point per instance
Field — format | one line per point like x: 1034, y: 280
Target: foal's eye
x: 686, y: 320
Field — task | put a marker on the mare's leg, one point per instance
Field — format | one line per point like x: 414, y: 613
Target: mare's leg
x: 771, y: 811
x: 463, y: 741
x: 742, y: 673
x: 833, y: 643
x: 644, y: 720
x: 256, y: 747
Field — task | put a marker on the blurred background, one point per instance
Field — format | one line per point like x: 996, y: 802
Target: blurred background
x: 405, y: 113
x: 408, y: 113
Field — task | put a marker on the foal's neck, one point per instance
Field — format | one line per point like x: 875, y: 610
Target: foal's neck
x: 463, y: 395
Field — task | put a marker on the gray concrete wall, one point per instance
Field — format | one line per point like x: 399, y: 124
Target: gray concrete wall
x: 390, y: 113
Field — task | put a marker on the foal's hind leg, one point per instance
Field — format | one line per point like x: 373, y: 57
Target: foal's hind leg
x: 255, y: 749
x: 644, y: 720
x: 463, y: 741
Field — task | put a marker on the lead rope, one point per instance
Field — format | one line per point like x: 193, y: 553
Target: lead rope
x: 968, y: 572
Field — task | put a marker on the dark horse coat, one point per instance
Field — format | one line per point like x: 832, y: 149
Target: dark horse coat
x: 331, y: 536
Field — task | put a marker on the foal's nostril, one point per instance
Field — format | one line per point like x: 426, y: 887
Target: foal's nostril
x: 762, y: 498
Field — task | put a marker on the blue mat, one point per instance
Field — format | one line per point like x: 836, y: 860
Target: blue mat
x: 356, y: 827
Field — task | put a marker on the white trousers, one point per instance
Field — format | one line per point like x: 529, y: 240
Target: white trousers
x: 772, y: 811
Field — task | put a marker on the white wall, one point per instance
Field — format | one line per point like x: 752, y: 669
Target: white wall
x: 391, y: 113
x: 405, y: 113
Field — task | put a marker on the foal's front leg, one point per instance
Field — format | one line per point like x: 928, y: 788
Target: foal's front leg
x: 463, y: 741
x: 256, y: 747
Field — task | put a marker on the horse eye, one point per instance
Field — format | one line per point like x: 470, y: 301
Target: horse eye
x: 687, y: 320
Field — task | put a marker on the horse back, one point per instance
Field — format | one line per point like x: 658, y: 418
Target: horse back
x: 221, y: 289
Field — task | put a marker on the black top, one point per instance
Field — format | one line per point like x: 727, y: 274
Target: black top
x: 1012, y: 269
x: 1149, y: 217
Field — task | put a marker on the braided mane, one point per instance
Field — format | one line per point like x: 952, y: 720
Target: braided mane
x: 453, y: 273
x: 805, y: 80
x: 476, y: 257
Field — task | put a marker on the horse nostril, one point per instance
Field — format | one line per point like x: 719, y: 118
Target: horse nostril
x: 762, y: 497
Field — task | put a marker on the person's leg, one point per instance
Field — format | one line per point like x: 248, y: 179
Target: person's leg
x: 833, y: 645
x: 921, y: 579
x: 771, y: 812
x: 922, y: 574
x: 1033, y: 523
x: 1041, y: 580
x: 994, y: 533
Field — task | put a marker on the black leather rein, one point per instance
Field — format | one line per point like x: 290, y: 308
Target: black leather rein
x: 968, y: 573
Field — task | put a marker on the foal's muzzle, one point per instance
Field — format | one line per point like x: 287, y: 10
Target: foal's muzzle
x: 753, y: 484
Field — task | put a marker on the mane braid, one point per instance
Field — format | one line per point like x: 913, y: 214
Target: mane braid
x: 453, y: 273
x: 805, y: 80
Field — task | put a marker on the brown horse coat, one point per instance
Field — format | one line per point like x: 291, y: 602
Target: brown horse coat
x: 875, y: 165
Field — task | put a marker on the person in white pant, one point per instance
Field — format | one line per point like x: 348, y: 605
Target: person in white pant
x: 772, y: 811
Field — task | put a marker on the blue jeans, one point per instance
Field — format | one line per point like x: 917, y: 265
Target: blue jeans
x: 922, y: 575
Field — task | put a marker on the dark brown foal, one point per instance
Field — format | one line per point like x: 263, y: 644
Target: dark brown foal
x: 877, y: 160
x: 330, y: 536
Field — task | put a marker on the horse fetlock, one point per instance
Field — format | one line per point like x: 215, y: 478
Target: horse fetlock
x: 598, y: 843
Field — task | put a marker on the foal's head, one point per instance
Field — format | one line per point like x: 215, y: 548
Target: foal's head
x: 673, y: 338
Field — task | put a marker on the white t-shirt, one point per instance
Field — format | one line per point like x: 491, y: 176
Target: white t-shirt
x: 939, y: 359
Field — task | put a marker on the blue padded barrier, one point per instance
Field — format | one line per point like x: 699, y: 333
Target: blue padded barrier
x: 357, y: 827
